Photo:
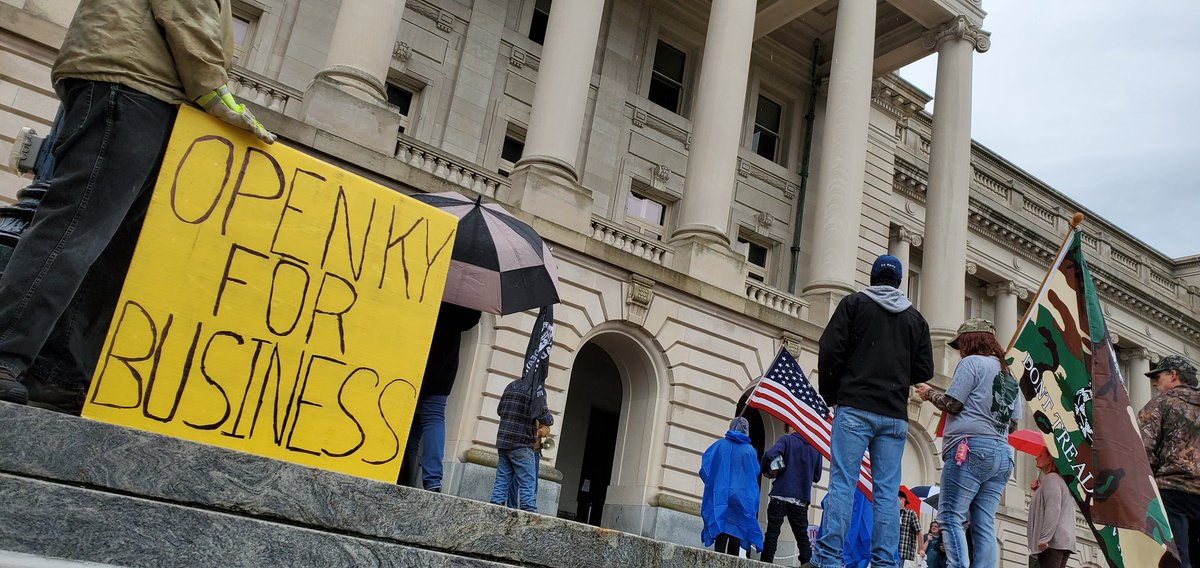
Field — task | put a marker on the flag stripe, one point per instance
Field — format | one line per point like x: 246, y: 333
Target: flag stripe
x: 785, y: 393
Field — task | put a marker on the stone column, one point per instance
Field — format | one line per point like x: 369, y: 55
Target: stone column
x: 1140, y: 391
x: 1006, y: 294
x: 840, y: 177
x: 701, y: 236
x: 560, y: 96
x: 900, y: 243
x: 349, y: 96
x: 546, y: 180
x: 949, y: 174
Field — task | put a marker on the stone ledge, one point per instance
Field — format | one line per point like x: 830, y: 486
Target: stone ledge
x: 127, y: 531
x: 145, y: 472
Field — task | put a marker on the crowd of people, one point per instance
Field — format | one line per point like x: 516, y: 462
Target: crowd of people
x: 876, y: 349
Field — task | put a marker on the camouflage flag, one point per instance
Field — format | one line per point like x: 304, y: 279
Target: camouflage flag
x: 1069, y: 376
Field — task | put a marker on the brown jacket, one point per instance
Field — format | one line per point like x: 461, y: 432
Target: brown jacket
x: 172, y: 50
x: 1170, y: 427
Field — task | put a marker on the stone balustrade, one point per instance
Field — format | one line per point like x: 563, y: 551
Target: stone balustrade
x: 760, y: 293
x: 614, y: 235
x: 447, y: 167
x: 249, y: 86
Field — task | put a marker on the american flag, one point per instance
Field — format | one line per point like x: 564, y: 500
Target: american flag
x: 785, y: 392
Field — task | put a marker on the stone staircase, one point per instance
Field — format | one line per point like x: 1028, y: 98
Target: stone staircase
x: 75, y: 490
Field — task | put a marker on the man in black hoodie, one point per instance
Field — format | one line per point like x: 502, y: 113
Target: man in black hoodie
x: 875, y: 347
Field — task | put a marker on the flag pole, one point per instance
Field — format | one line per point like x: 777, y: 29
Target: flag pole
x: 1076, y: 220
x: 746, y: 405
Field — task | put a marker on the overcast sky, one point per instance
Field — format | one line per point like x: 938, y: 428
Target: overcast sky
x: 1100, y: 99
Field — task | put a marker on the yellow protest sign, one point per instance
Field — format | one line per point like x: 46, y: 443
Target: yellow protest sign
x: 276, y: 304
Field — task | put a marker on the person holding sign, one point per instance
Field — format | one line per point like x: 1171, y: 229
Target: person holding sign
x: 124, y: 68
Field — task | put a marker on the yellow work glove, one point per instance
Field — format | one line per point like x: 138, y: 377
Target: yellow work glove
x: 220, y: 103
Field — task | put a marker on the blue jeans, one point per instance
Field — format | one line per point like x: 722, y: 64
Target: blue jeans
x: 429, y: 432
x: 519, y: 466
x: 63, y: 281
x: 854, y: 432
x: 972, y: 491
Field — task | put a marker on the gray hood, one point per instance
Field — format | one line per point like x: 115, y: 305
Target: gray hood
x: 889, y: 298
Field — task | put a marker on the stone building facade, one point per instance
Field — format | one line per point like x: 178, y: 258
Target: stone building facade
x: 661, y: 147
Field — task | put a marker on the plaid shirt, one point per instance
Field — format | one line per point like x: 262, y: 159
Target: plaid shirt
x: 518, y: 409
x: 909, y: 528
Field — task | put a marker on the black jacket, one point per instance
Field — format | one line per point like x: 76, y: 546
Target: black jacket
x: 442, y: 366
x: 871, y: 355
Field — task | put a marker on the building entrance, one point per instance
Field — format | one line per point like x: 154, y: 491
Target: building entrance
x: 588, y: 442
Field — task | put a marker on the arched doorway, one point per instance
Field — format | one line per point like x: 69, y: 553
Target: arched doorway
x: 588, y: 442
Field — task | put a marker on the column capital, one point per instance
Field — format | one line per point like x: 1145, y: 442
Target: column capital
x: 1008, y: 287
x: 901, y: 233
x: 958, y: 28
x: 1134, y: 354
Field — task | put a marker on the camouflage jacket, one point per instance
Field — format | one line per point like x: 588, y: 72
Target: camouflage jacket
x: 1170, y: 427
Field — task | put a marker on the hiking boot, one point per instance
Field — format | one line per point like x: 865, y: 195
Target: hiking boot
x: 11, y: 389
x: 68, y: 400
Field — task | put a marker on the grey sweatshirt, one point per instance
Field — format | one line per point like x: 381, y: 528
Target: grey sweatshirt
x: 1051, y: 515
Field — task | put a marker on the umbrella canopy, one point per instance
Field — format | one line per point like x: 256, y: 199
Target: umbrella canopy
x: 914, y: 503
x: 499, y: 264
x: 924, y: 491
x: 932, y: 500
x: 1029, y: 441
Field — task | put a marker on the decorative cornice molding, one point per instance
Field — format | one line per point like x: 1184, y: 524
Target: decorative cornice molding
x: 908, y: 180
x: 747, y: 168
x: 519, y: 58
x: 959, y: 28
x: 895, y: 103
x: 641, y: 119
x: 999, y: 229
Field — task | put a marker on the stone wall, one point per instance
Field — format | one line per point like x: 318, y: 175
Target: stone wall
x: 82, y: 490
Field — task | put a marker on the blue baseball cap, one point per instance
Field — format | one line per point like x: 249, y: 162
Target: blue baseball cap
x: 887, y: 266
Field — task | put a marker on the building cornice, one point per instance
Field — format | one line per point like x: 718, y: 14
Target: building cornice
x: 1026, y: 243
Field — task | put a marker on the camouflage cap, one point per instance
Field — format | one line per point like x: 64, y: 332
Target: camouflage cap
x: 971, y: 326
x: 1173, y: 363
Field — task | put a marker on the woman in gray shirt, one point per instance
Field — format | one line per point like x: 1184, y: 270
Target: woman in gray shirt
x: 1051, y: 528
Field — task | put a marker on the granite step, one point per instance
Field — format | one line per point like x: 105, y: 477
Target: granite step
x: 79, y: 490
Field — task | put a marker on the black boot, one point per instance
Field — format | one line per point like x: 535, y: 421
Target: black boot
x: 11, y: 389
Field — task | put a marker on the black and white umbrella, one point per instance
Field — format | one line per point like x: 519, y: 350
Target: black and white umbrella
x: 499, y: 264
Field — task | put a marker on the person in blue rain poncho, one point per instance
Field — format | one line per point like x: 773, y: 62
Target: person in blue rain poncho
x: 729, y: 470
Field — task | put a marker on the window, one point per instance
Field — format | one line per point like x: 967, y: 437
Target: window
x: 666, y: 80
x: 541, y: 19
x: 511, y: 151
x: 243, y: 33
x: 645, y: 214
x: 767, y: 120
x: 756, y: 258
x: 402, y: 99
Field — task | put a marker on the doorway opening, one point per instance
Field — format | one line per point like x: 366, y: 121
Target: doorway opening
x: 588, y: 443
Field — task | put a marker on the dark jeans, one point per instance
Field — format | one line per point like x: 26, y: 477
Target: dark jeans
x: 727, y: 544
x: 60, y: 288
x: 1183, y: 512
x: 1053, y: 558
x: 797, y: 516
